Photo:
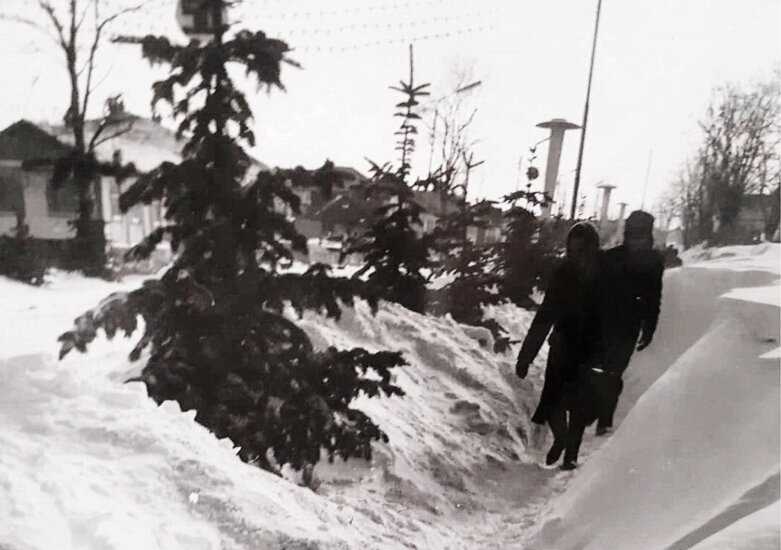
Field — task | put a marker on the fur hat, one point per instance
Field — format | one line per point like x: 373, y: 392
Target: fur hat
x: 639, y: 223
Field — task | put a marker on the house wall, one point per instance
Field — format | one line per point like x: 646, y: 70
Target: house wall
x: 474, y: 234
x: 428, y: 223
x: 751, y: 219
x: 308, y: 227
x: 126, y: 229
x: 43, y: 223
x: 122, y: 230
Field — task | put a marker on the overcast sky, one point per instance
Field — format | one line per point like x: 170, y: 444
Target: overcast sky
x: 657, y: 64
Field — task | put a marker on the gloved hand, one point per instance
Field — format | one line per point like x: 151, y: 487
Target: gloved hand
x: 645, y: 340
x: 521, y: 369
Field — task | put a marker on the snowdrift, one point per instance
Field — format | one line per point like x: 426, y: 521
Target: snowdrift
x: 89, y: 462
x: 695, y: 462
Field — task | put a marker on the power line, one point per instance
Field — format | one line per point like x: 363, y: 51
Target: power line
x: 363, y: 8
x: 398, y: 40
x: 379, y: 26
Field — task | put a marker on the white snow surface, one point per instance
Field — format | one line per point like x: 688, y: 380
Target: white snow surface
x: 89, y: 462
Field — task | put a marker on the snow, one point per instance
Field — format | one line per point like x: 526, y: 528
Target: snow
x: 89, y: 462
x: 756, y: 531
x: 762, y: 257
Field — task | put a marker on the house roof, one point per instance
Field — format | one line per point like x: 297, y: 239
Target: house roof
x: 146, y: 144
x: 24, y: 140
x: 346, y: 209
x: 353, y: 176
x: 435, y: 203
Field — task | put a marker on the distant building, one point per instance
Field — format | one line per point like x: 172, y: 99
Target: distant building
x: 26, y: 190
x: 758, y: 216
x: 435, y: 205
x: 350, y: 210
x: 27, y: 194
x: 330, y: 211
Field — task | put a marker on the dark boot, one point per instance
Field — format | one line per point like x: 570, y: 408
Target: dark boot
x: 554, y: 453
x: 568, y: 465
x: 574, y: 438
x: 557, y: 420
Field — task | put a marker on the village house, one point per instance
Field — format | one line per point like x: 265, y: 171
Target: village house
x: 27, y: 153
x: 26, y: 195
x: 757, y: 217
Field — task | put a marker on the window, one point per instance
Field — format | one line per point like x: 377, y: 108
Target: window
x: 11, y: 195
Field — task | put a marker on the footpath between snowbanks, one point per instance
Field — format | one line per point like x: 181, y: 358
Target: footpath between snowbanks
x: 695, y: 461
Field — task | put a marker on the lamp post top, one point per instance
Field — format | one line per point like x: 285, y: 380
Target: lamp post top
x: 558, y: 123
x: 606, y: 186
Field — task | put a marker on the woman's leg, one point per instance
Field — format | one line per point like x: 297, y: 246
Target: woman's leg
x: 577, y: 425
x: 557, y: 420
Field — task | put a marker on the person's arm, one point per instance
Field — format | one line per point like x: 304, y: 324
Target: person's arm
x: 547, y: 314
x: 653, y: 301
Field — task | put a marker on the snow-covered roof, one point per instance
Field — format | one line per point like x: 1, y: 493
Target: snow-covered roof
x: 146, y: 144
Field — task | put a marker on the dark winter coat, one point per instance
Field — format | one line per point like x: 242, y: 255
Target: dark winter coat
x: 570, y: 308
x: 629, y: 303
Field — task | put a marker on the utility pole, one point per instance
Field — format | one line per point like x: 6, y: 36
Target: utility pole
x: 647, y: 174
x: 585, y: 112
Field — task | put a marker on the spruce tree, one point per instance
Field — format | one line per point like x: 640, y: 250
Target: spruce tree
x: 216, y: 336
x: 530, y: 248
x: 470, y: 267
x: 395, y: 249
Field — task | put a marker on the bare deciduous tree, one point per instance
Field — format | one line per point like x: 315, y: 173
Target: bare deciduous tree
x: 78, y: 28
x: 450, y: 141
x: 739, y: 156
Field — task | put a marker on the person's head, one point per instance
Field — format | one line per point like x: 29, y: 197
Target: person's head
x: 639, y: 231
x: 583, y: 245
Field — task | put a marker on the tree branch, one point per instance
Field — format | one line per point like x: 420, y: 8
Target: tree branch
x: 95, y: 142
x: 99, y: 27
x: 49, y: 11
x: 84, y: 14
x: 31, y: 23
x: 91, y: 61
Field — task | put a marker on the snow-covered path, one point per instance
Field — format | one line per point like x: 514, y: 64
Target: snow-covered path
x: 88, y: 462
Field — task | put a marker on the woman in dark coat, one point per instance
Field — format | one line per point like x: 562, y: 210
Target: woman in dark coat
x: 570, y: 308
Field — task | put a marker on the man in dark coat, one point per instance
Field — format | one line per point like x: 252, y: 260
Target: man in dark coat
x: 631, y: 276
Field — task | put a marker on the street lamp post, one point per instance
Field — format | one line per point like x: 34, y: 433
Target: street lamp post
x: 607, y: 189
x: 585, y: 112
x: 557, y: 128
x: 622, y: 211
